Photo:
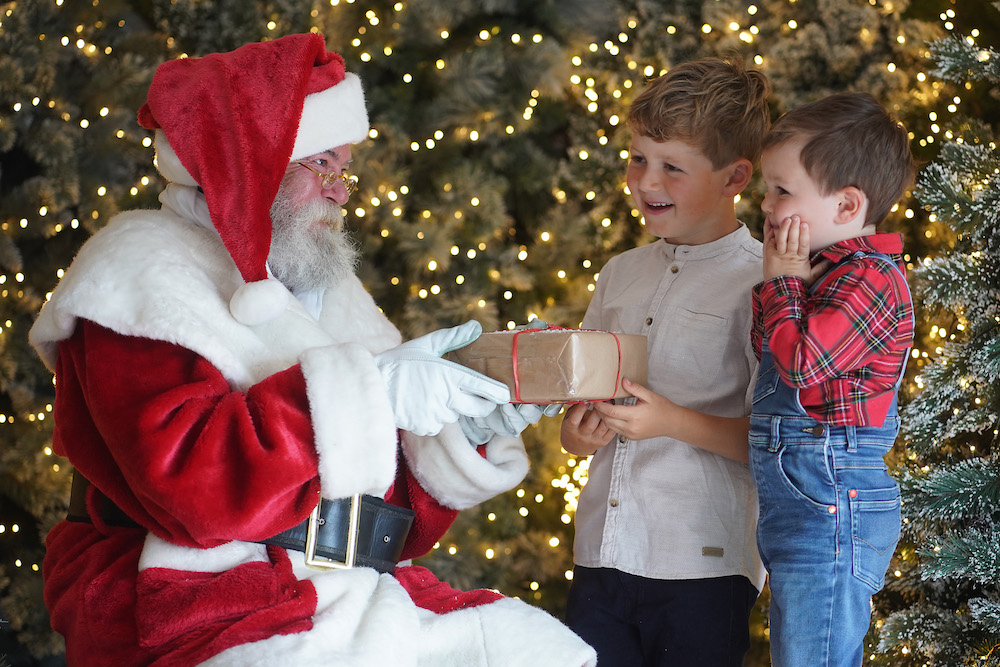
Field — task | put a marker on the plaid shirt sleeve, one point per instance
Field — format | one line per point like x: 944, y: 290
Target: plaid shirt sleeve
x: 849, y: 321
x: 757, y: 323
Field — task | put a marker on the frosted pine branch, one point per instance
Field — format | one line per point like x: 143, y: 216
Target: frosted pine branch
x: 961, y: 189
x: 987, y: 613
x: 963, y: 492
x: 959, y: 59
x: 972, y: 555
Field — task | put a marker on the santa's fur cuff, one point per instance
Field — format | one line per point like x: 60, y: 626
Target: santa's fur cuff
x: 454, y: 472
x: 352, y: 419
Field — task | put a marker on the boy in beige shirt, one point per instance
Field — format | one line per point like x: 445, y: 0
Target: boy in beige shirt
x: 667, y: 569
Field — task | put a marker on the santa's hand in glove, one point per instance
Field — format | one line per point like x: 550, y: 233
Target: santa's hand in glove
x: 427, y: 392
x: 507, y: 420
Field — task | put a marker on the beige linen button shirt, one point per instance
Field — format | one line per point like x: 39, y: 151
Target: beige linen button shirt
x: 661, y: 508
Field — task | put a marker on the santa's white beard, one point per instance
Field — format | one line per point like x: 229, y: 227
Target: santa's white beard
x: 304, y: 255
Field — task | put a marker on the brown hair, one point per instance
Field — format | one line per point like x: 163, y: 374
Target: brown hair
x: 851, y: 141
x: 714, y: 104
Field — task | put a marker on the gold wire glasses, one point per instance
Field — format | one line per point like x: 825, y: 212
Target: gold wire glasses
x: 330, y: 178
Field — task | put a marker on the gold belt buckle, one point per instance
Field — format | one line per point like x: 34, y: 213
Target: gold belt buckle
x: 312, y: 537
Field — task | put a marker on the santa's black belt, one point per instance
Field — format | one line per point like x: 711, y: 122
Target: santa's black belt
x: 360, y: 531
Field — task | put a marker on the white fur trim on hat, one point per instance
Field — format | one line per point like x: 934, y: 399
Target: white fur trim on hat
x: 332, y: 117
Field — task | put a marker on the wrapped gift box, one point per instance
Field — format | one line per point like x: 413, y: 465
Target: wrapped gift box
x: 557, y: 365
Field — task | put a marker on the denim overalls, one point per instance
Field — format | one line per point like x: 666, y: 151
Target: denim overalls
x: 829, y: 521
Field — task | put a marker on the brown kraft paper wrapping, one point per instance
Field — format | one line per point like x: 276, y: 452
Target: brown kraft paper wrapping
x: 558, y: 365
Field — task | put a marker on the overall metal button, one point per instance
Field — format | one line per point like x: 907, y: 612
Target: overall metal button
x: 817, y: 431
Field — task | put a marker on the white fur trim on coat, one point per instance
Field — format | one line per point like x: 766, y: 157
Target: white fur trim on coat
x: 453, y: 471
x: 363, y: 618
x: 353, y: 423
x: 157, y: 552
x: 507, y: 635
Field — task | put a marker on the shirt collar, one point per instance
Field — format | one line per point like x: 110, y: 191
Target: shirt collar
x: 886, y: 244
x: 725, y: 244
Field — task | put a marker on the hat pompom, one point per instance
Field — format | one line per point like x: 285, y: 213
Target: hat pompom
x: 259, y: 302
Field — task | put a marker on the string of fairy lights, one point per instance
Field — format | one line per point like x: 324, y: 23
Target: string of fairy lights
x: 384, y: 196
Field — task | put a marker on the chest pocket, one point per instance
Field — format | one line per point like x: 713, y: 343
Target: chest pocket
x: 699, y: 346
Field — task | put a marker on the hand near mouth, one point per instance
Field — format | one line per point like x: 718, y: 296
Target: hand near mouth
x: 786, y: 250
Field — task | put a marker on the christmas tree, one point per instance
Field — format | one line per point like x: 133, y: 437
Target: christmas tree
x: 70, y: 153
x: 492, y: 188
x: 949, y: 562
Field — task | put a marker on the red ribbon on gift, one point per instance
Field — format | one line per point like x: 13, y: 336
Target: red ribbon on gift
x: 517, y: 382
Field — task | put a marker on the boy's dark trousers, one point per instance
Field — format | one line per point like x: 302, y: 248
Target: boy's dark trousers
x: 634, y: 621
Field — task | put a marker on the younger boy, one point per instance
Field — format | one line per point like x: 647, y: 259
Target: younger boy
x: 667, y: 569
x: 833, y: 324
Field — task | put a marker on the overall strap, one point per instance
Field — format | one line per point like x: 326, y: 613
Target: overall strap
x: 882, y: 257
x: 858, y: 254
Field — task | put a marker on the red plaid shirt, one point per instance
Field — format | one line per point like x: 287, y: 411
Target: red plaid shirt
x: 844, y: 345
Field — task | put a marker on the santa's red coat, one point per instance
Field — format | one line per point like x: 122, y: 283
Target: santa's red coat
x: 212, y: 434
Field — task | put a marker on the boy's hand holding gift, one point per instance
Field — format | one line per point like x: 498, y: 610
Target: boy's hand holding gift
x: 649, y: 416
x: 583, y: 431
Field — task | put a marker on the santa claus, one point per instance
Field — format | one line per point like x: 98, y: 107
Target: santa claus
x: 257, y: 453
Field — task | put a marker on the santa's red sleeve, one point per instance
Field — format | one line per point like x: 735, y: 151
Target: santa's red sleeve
x: 160, y: 432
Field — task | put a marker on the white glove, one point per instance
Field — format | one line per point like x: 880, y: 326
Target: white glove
x: 508, y: 420
x: 535, y: 323
x: 426, y: 391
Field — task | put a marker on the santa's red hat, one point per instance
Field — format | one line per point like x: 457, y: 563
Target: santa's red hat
x: 231, y: 123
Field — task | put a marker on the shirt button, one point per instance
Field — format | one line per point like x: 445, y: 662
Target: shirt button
x: 674, y: 269
x: 649, y: 320
x: 613, y: 502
